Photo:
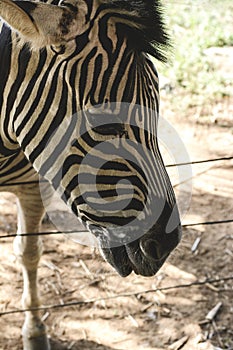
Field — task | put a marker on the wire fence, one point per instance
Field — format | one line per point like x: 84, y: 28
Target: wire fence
x: 121, y: 295
x: 47, y: 233
x: 167, y: 166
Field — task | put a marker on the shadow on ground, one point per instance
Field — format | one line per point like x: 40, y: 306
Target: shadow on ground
x: 77, y: 345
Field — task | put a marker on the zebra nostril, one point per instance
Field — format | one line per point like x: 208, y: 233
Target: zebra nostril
x: 152, y: 249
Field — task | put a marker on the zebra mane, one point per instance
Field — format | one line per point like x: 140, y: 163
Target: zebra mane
x: 143, y: 24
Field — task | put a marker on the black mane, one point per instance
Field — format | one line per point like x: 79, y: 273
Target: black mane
x: 144, y: 25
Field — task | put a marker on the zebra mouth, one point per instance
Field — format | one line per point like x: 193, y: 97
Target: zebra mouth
x: 125, y: 261
x: 128, y: 258
x: 144, y: 256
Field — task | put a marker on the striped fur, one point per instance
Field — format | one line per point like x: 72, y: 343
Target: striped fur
x: 95, y: 65
x: 79, y: 106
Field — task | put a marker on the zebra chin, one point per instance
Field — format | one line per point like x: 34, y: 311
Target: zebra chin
x: 145, y: 255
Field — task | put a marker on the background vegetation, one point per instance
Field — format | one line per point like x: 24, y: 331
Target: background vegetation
x: 200, y: 70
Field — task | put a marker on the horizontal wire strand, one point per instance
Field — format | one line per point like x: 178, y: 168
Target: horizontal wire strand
x: 49, y: 233
x: 200, y: 161
x: 123, y: 295
x: 167, y: 166
x: 86, y: 302
x: 217, y: 222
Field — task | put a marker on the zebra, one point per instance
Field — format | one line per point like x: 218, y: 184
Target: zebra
x: 85, y: 67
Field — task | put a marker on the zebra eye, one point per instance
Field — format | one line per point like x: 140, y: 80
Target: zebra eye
x: 59, y: 49
x: 111, y: 129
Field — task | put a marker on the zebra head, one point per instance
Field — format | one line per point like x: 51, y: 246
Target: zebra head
x: 86, y: 118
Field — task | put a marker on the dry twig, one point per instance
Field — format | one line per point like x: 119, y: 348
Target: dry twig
x: 212, y: 313
x: 179, y: 343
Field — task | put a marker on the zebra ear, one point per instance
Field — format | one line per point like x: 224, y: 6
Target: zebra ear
x: 41, y: 24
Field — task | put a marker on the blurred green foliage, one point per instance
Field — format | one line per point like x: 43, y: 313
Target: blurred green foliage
x: 194, y: 27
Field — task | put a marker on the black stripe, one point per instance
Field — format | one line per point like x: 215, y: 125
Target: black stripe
x: 95, y: 80
x: 69, y: 188
x: 31, y: 85
x: 12, y: 156
x: 16, y: 168
x: 114, y: 220
x: 5, y: 151
x: 111, y: 193
x: 105, y: 41
x: 117, y: 205
x: 129, y: 88
x: 84, y: 74
x: 89, y: 5
x: 121, y: 72
x: 22, y: 64
x: 5, y: 61
x: 64, y: 144
x: 56, y: 121
x: 69, y: 161
x: 89, y: 179
x: 37, y: 100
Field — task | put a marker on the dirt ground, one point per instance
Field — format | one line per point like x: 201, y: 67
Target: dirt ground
x: 170, y: 319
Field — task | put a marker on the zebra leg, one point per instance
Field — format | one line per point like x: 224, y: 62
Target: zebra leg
x: 28, y: 250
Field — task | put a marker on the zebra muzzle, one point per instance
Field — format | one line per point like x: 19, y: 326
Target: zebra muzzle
x: 144, y: 256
